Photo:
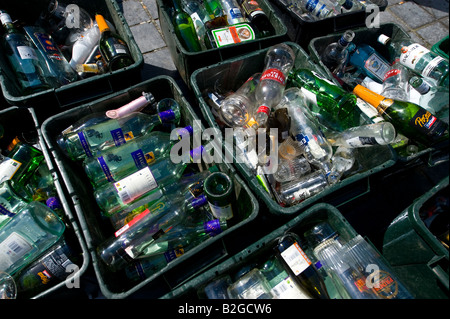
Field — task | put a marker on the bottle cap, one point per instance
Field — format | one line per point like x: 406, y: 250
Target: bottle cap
x: 101, y: 23
x: 367, y: 95
x: 383, y: 39
x: 185, y: 131
x: 320, y: 233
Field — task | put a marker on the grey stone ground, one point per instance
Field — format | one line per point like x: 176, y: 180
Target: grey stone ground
x: 427, y: 21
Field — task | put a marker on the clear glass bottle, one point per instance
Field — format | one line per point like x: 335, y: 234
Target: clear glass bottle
x: 395, y: 83
x: 234, y: 14
x: 219, y: 189
x: 32, y: 231
x: 22, y: 57
x: 334, y: 56
x: 295, y: 191
x: 317, y: 8
x: 278, y: 62
x: 11, y: 202
x: 289, y: 170
x: 252, y: 285
x: 342, y: 161
x: 381, y: 133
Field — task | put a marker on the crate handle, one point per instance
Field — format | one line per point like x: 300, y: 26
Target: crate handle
x: 435, y: 265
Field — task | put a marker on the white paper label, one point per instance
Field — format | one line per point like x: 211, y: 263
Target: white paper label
x: 26, y: 53
x: 12, y: 249
x: 8, y: 168
x: 296, y: 259
x: 288, y: 289
x: 135, y: 185
x: 412, y: 54
x: 377, y: 67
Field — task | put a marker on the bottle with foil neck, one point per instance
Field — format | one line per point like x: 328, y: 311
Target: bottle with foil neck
x: 234, y: 14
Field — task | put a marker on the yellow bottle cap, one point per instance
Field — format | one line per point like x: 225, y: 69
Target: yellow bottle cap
x: 368, y: 95
x: 101, y: 23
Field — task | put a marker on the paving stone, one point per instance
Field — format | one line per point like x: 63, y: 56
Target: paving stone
x: 152, y: 7
x: 159, y: 63
x: 433, y: 33
x: 147, y: 37
x: 438, y: 9
x: 413, y: 15
x: 133, y: 12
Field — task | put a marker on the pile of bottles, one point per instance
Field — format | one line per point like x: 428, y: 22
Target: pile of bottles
x: 314, y: 10
x: 318, y: 125
x: 64, y: 45
x: 205, y: 24
x: 36, y: 251
x: 158, y: 207
x: 318, y: 265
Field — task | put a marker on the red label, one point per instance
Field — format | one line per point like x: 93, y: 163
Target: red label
x: 274, y: 74
x: 234, y: 35
x: 132, y: 222
x: 263, y: 109
x: 391, y: 73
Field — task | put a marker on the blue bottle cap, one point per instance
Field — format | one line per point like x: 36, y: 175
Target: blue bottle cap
x: 199, y: 201
x: 53, y: 203
x: 212, y: 227
x: 185, y: 131
x: 196, y: 154
x: 166, y: 116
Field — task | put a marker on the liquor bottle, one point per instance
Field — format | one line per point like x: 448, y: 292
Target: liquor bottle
x: 289, y: 170
x: 113, y: 48
x: 295, y: 191
x: 107, y: 133
x: 231, y: 34
x: 368, y: 61
x: 395, y: 83
x: 22, y: 57
x: 257, y: 17
x: 334, y: 56
x: 381, y: 133
x: 434, y: 99
x: 21, y: 163
x: 281, y: 283
x: 53, y: 267
x: 118, y: 162
x: 219, y: 189
x: 317, y: 8
x: 300, y: 266
x: 131, y: 241
x: 235, y: 110
x: 278, y: 62
x: 234, y: 14
x: 56, y: 67
x: 11, y: 202
x: 409, y: 119
x: 252, y: 285
x: 418, y: 59
x: 32, y: 231
x: 315, y: 147
x: 350, y: 5
x: 333, y: 106
x: 185, y: 29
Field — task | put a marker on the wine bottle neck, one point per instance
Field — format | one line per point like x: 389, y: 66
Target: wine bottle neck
x: 101, y: 23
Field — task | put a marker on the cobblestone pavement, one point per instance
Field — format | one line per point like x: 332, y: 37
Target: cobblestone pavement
x: 427, y: 22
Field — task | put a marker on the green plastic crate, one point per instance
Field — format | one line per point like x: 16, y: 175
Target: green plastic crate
x: 415, y: 253
x: 96, y: 229
x: 22, y: 122
x: 441, y: 47
x: 187, y: 62
x: 230, y: 75
x: 52, y: 101
x: 432, y: 155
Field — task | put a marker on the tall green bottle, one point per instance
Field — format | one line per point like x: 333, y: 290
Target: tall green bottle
x: 334, y: 107
x: 184, y: 28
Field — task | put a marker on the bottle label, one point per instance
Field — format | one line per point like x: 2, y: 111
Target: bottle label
x: 233, y: 34
x: 361, y: 141
x: 12, y: 249
x: 105, y: 169
x: 119, y: 137
x: 431, y: 66
x: 48, y: 46
x: 142, y: 160
x: 412, y: 54
x: 275, y: 75
x: 221, y: 212
x: 235, y: 13
x: 27, y: 53
x: 135, y: 185
x: 6, y: 212
x: 84, y: 144
x: 8, y: 168
x: 173, y: 254
x: 316, y: 8
x: 390, y: 73
x: 286, y: 288
x: 263, y: 109
x: 252, y: 8
x: 377, y: 67
x: 296, y: 259
x: 426, y: 123
x: 369, y: 111
x: 386, y: 286
x: 120, y: 48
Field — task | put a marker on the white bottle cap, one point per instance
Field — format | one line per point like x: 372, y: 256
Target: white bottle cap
x: 383, y: 39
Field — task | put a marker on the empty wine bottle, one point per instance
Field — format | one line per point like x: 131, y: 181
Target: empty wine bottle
x: 298, y: 263
x: 257, y: 17
x: 219, y: 189
x: 184, y: 28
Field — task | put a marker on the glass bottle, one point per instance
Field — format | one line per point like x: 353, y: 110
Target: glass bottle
x: 22, y: 57
x: 409, y: 119
x: 295, y: 191
x: 342, y: 161
x: 32, y: 231
x: 235, y: 110
x: 368, y: 61
x: 113, y: 48
x: 118, y: 162
x: 381, y: 133
x: 278, y: 62
x: 252, y: 285
x: 333, y: 106
x: 281, y: 121
x: 131, y: 241
x: 11, y: 202
x: 317, y: 8
x: 57, y: 68
x: 395, y: 83
x: 257, y: 17
x: 334, y: 56
x: 21, y: 163
x: 234, y: 14
x: 231, y: 34
x: 219, y: 189
x: 8, y: 289
x: 418, y: 59
x: 434, y: 99
x: 281, y: 283
x: 297, y: 262
x: 185, y: 29
x: 108, y: 133
x: 289, y: 170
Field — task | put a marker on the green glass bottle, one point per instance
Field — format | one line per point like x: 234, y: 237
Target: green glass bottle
x: 118, y: 162
x: 219, y: 189
x: 131, y: 241
x: 21, y: 163
x: 100, y: 136
x: 11, y: 202
x: 22, y: 58
x: 334, y: 107
x: 113, y: 48
x: 184, y: 28
x: 409, y: 119
x: 31, y: 232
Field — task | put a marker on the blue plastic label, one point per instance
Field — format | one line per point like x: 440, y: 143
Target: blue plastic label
x: 173, y: 254
x: 105, y: 169
x: 166, y: 116
x: 118, y: 137
x: 302, y: 139
x: 199, y: 201
x: 212, y: 227
x: 84, y: 144
x: 53, y: 203
x: 6, y: 212
x: 139, y: 159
